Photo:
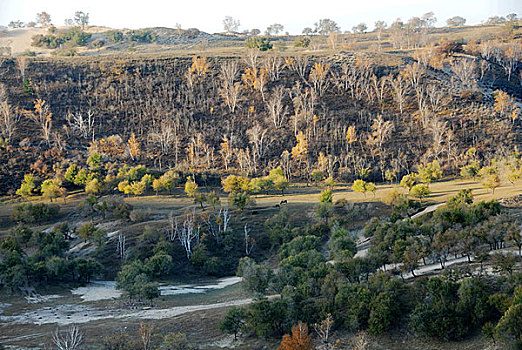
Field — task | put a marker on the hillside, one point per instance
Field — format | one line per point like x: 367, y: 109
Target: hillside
x: 173, y: 189
x: 433, y: 109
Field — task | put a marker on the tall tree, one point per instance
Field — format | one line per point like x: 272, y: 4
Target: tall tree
x: 325, y: 26
x: 43, y: 18
x: 230, y: 24
x: 380, y: 26
x: 42, y: 116
x: 456, y: 21
x: 274, y: 29
x: 81, y: 18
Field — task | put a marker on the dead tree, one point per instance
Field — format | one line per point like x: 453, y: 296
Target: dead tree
x: 249, y: 241
x: 300, y: 65
x: 231, y: 95
x: 275, y: 106
x: 83, y: 126
x: 272, y: 64
x: 466, y: 71
x: 172, y: 230
x: 69, y: 339
x: 121, y: 246
x: 304, y: 105
x: 435, y: 95
x: 324, y: 331
x: 224, y: 218
x: 42, y: 117
x: 164, y: 137
x: 22, y: 65
x: 228, y: 72
x: 188, y: 234
x: 381, y: 132
x: 438, y: 130
x: 257, y: 137
x: 9, y: 118
x: 246, y: 160
x: 251, y: 57
x: 414, y: 73
x: 399, y: 91
x: 217, y: 223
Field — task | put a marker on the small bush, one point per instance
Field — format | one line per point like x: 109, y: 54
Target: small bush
x: 70, y: 52
x: 98, y: 43
x: 302, y: 42
x: 260, y: 43
x: 122, y: 210
x: 448, y: 48
x: 115, y: 35
x: 73, y: 37
x: 139, y: 215
x: 141, y: 36
x: 35, y: 213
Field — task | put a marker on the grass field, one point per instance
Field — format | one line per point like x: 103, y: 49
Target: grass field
x: 301, y: 198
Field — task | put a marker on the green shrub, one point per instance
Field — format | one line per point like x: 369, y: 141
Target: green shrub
x: 302, y: 42
x: 28, y: 186
x: 115, y: 35
x: 27, y: 87
x: 76, y: 36
x: 300, y: 244
x: 35, y: 213
x: 98, y: 43
x: 260, y: 43
x: 66, y: 52
x: 48, y: 41
x: 73, y: 37
x: 141, y: 36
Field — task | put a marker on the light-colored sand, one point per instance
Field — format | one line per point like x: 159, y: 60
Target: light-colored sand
x: 75, y: 314
x: 98, y: 290
x: 37, y: 298
x: 20, y: 39
x: 197, y: 289
x: 104, y: 290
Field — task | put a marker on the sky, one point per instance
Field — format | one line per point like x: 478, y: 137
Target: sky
x: 208, y: 15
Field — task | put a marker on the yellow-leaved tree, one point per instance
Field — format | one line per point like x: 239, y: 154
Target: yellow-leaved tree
x: 200, y: 66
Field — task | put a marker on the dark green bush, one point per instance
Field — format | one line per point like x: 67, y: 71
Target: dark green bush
x: 73, y: 37
x: 141, y: 36
x: 260, y: 43
x: 302, y: 42
x: 115, y: 35
x: 98, y: 43
x: 35, y: 213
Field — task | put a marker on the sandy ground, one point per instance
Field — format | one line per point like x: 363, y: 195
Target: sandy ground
x: 197, y: 289
x: 104, y: 290
x: 19, y: 40
x: 98, y: 290
x: 67, y: 313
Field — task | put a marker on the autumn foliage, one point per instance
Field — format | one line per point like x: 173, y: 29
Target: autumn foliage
x: 298, y: 340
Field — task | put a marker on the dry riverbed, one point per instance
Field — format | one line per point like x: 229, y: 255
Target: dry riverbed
x: 100, y: 301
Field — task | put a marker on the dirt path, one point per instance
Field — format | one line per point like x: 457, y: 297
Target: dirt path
x: 77, y: 314
x: 429, y: 209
